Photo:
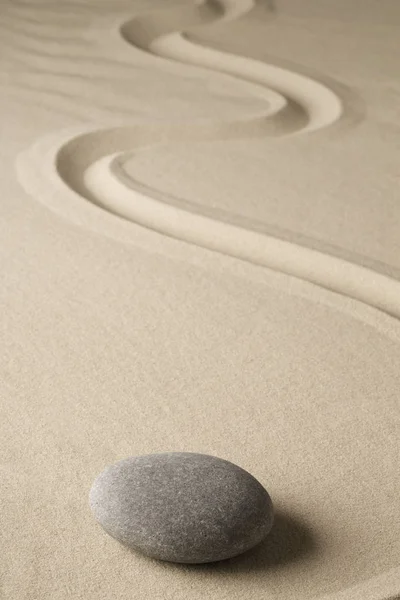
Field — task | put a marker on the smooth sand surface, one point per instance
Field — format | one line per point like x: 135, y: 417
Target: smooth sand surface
x: 200, y: 227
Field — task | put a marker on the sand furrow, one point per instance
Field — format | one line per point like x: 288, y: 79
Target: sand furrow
x: 60, y: 64
x: 69, y: 103
x: 42, y: 48
x: 55, y: 76
x: 38, y: 33
x: 43, y: 103
x: 90, y: 164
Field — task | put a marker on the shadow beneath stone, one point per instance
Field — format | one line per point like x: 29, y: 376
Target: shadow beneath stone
x: 289, y: 540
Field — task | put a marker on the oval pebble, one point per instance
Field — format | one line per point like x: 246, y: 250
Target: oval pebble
x: 182, y: 507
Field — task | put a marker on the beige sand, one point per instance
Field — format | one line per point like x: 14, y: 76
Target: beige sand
x: 227, y: 285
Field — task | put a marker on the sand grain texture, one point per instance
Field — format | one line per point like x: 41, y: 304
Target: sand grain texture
x: 218, y: 273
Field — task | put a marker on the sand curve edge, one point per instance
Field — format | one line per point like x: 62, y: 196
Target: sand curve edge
x: 88, y: 165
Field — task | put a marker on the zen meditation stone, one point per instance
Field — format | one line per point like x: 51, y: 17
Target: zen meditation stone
x: 182, y: 507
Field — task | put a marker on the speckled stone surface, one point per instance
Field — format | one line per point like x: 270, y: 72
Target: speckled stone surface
x: 182, y: 507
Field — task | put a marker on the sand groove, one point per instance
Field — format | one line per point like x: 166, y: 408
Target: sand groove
x: 90, y: 164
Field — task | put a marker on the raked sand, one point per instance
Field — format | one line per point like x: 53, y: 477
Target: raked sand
x: 200, y: 224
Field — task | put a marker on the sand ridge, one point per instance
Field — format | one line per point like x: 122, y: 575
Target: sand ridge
x: 296, y: 105
x: 91, y: 164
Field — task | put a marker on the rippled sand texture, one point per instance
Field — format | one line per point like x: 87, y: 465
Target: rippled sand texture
x: 91, y: 163
x: 219, y: 272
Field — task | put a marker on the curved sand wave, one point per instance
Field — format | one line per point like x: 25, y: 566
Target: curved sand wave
x: 104, y: 179
x: 90, y: 164
x: 309, y: 105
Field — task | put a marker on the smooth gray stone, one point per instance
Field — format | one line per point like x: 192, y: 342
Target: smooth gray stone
x: 182, y: 507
